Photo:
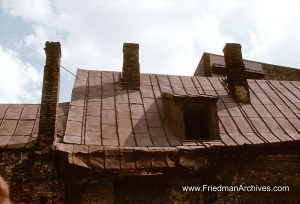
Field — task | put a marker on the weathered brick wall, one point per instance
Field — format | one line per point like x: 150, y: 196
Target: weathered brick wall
x: 31, y: 177
x: 258, y: 170
x: 275, y: 72
x: 271, y: 169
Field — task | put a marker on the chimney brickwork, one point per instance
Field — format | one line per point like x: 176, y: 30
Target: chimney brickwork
x: 236, y: 73
x: 50, y: 95
x: 131, y: 66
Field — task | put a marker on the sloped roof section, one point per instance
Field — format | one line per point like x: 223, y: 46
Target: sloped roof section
x: 218, y: 60
x: 19, y: 124
x: 103, y: 113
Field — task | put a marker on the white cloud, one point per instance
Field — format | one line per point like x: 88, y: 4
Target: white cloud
x: 172, y: 34
x: 20, y: 81
x: 95, y: 31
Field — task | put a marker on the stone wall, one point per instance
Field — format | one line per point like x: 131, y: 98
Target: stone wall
x: 31, y: 177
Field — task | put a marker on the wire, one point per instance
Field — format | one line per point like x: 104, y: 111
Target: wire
x: 68, y: 71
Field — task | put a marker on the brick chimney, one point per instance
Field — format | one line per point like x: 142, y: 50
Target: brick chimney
x: 236, y: 73
x: 50, y: 95
x: 131, y: 66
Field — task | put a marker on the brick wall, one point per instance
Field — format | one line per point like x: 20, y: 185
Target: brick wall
x: 275, y: 72
x: 31, y: 177
x: 269, y: 169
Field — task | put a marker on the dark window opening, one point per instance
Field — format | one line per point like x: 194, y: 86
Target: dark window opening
x: 43, y: 200
x: 197, y: 119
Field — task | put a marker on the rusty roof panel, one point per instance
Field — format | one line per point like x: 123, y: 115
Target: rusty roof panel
x: 127, y: 139
x: 274, y: 111
x: 205, y: 84
x: 24, y: 124
x: 233, y: 109
x: 145, y: 80
x: 92, y: 123
x: 242, y: 124
x: 253, y: 138
x: 286, y: 111
x: 143, y: 139
x: 147, y: 91
x: 153, y: 120
x: 74, y: 128
x: 239, y: 138
x: 93, y: 138
x: 14, y: 111
x: 187, y: 82
x: 18, y: 141
x: 249, y: 110
x: 8, y: 127
x: 25, y: 127
x: 150, y: 105
x: 4, y: 140
x: 76, y: 113
x: 261, y: 110
x: 109, y: 132
x: 229, y: 125
x: 275, y: 98
x: 30, y: 112
x: 273, y: 125
x: 270, y: 137
x: 259, y: 125
x: 108, y: 117
x: 175, y: 81
x: 136, y: 120
x: 3, y: 109
x: 287, y: 126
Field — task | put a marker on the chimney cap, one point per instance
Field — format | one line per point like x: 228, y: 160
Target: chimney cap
x: 130, y: 47
x: 49, y: 45
x: 131, y: 44
x: 232, y: 46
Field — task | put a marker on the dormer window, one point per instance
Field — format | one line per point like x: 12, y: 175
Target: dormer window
x: 193, y: 117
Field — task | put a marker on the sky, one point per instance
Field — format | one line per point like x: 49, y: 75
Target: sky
x: 172, y: 34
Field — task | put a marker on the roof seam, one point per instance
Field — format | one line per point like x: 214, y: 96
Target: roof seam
x: 291, y: 93
x: 131, y: 120
x: 159, y: 113
x: 83, y: 131
x: 140, y: 94
x: 229, y: 113
x: 284, y: 115
x: 18, y: 122
x: 116, y: 112
x: 264, y: 107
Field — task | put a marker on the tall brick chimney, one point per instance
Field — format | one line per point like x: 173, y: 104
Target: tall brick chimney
x: 50, y: 95
x: 131, y: 66
x: 236, y: 73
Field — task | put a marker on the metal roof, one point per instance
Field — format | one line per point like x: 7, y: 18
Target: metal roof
x: 19, y: 124
x: 109, y: 127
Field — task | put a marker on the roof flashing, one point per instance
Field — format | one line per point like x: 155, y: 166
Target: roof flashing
x: 191, y: 98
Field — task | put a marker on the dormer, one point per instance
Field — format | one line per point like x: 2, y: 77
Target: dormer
x: 193, y: 117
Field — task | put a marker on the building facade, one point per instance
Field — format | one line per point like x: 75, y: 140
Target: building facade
x: 129, y: 137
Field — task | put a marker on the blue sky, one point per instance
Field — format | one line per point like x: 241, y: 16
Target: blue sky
x: 172, y: 35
